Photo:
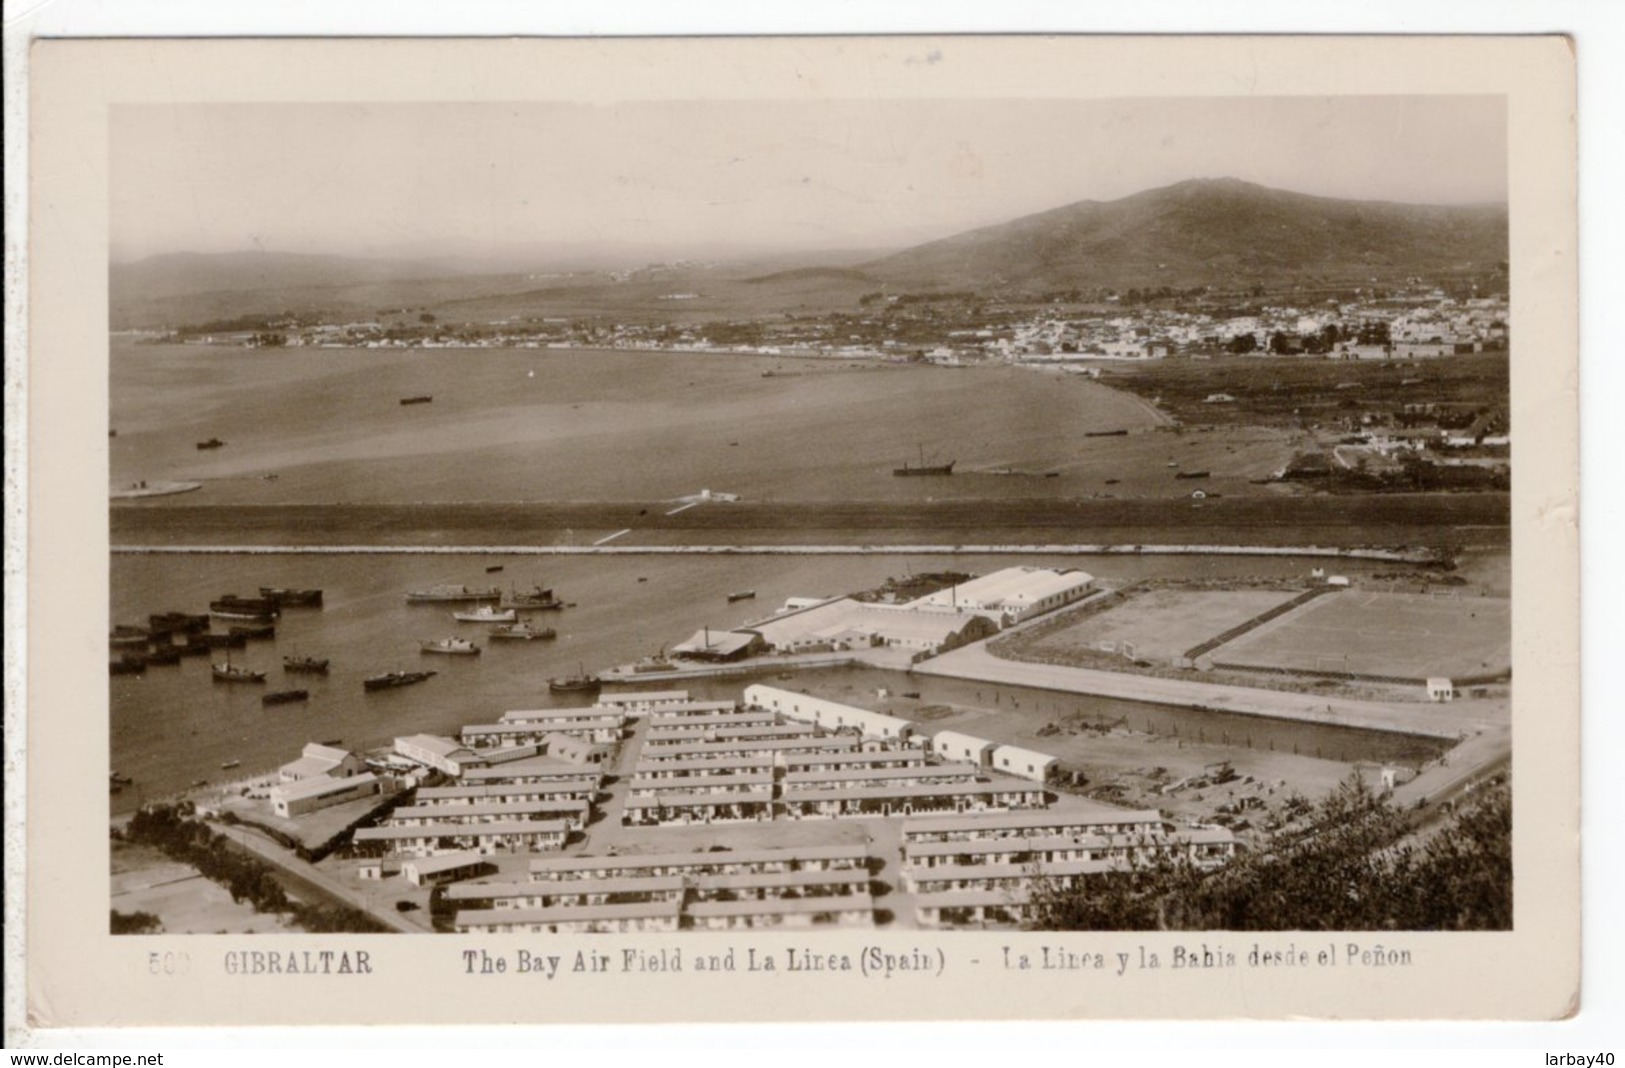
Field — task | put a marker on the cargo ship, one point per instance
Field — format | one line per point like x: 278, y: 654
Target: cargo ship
x: 292, y: 598
x: 580, y: 682
x: 304, y: 665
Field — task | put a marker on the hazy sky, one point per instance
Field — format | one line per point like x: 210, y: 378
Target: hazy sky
x: 365, y: 179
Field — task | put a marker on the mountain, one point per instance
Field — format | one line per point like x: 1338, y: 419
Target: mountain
x: 1206, y: 231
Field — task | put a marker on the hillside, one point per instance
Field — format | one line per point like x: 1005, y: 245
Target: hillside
x: 1207, y: 231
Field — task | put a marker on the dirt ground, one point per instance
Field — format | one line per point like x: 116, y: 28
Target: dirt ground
x: 144, y: 880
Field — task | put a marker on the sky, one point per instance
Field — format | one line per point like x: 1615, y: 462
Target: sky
x: 696, y: 176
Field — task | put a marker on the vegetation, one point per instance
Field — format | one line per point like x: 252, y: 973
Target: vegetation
x: 173, y: 830
x: 1350, y: 863
x: 133, y: 923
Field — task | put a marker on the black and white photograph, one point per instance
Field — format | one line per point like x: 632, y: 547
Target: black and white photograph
x: 858, y: 521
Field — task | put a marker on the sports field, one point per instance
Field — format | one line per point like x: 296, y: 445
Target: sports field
x: 1401, y: 634
x: 1162, y: 624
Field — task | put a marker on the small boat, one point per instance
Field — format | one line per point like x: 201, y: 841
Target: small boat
x: 523, y: 632
x: 422, y: 398
x: 1190, y: 474
x: 255, y: 630
x: 537, y: 598
x: 284, y: 697
x: 222, y: 641
x: 493, y: 569
x: 485, y: 614
x: 389, y: 680
x: 580, y: 682
x: 448, y: 594
x: 120, y: 778
x: 192, y: 647
x: 923, y: 468
x: 742, y: 595
x: 128, y: 665
x: 198, y: 784
x: 229, y: 764
x: 304, y: 665
x: 212, y: 443
x: 292, y: 598
x: 226, y: 673
x: 450, y: 646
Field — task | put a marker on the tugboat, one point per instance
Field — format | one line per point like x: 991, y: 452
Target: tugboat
x: 304, y: 665
x: 537, y: 598
x: 523, y: 632
x: 580, y: 682
x: 450, y: 646
x: 485, y: 614
x: 390, y: 680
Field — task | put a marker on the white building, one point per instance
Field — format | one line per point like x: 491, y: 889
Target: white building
x: 316, y: 759
x: 966, y: 748
x: 295, y: 798
x: 1025, y: 763
x: 830, y: 715
x: 1015, y: 593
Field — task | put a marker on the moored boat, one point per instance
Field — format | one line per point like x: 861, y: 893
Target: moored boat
x: 450, y: 646
x: 227, y: 765
x: 255, y: 630
x: 305, y: 665
x: 128, y: 665
x: 580, y: 682
x: 288, y: 597
x: 924, y: 468
x: 742, y: 595
x: 226, y: 673
x: 537, y: 598
x: 165, y: 656
x: 485, y: 613
x: 212, y: 443
x: 178, y: 622
x: 125, y: 635
x: 283, y: 697
x: 221, y: 641
x: 449, y: 594
x: 389, y: 680
x: 523, y: 631
x: 256, y: 606
x: 423, y: 398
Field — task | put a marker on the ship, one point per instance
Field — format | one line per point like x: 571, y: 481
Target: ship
x: 449, y: 594
x: 222, y: 641
x: 125, y: 635
x: 295, y: 598
x: 304, y: 665
x: 742, y: 595
x: 422, y: 398
x: 212, y: 443
x: 255, y: 630
x: 166, y: 657
x: 229, y: 764
x: 284, y: 697
x: 450, y: 646
x: 251, y: 605
x: 389, y: 680
x: 1190, y: 474
x: 523, y: 632
x: 177, y: 623
x: 536, y: 599
x: 922, y: 468
x: 580, y: 682
x: 485, y: 614
x: 226, y: 673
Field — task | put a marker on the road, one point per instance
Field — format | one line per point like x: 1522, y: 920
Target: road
x: 300, y: 871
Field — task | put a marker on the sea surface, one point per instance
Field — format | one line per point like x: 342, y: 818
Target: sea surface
x: 174, y: 726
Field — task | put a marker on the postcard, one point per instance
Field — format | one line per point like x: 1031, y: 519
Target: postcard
x: 772, y: 529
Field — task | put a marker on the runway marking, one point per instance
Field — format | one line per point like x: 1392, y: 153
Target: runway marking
x: 682, y: 507
x: 612, y: 537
